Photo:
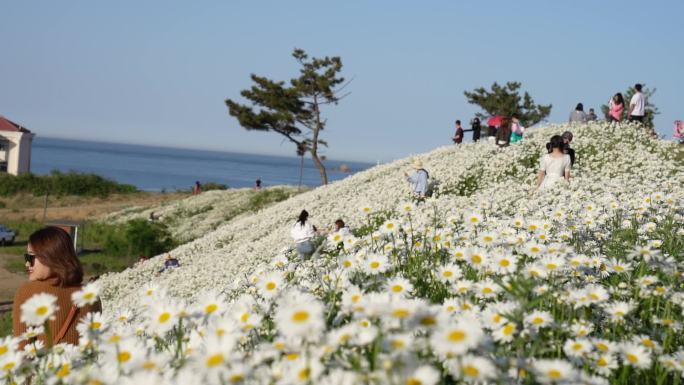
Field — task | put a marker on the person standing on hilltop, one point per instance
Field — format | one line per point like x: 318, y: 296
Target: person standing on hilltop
x: 303, y: 233
x: 578, y: 115
x: 476, y: 128
x: 637, y: 105
x: 615, y: 108
x: 517, y: 130
x: 418, y: 180
x: 458, y: 136
x: 197, y: 188
x: 503, y: 134
x: 591, y: 116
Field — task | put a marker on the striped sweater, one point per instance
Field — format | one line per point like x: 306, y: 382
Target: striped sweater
x: 63, y: 294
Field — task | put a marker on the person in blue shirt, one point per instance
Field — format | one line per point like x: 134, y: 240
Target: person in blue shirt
x: 169, y: 263
x: 418, y: 180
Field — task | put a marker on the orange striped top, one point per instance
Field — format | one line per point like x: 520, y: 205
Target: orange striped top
x: 63, y: 294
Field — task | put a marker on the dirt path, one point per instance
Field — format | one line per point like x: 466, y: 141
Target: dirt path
x: 9, y: 282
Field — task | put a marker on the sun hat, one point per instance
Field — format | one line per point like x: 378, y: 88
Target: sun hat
x: 417, y: 164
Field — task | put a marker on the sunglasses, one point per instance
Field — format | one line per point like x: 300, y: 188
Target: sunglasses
x: 30, y: 258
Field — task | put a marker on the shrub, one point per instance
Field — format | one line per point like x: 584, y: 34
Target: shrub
x: 264, y: 198
x: 139, y: 237
x: 60, y: 184
x: 214, y: 186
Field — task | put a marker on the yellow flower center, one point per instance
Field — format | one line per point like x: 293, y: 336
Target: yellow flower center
x: 554, y: 374
x: 448, y: 274
x: 42, y: 310
x: 551, y: 266
x: 375, y: 264
x: 538, y: 320
x: 401, y: 313
x: 632, y: 358
x: 428, y: 321
x: 300, y: 316
x: 476, y: 258
x: 123, y: 356
x: 398, y: 344
x: 347, y: 263
x: 508, y: 329
x: 245, y: 317
x: 487, y: 290
x: 577, y: 346
x: 470, y: 371
x: 64, y: 371
x: 504, y: 263
x: 602, y: 362
x: 236, y: 378
x: 456, y: 336
x: 211, y: 308
x: 413, y: 381
x: 95, y: 325
x: 214, y: 360
x: 3, y: 349
x: 270, y: 286
x: 304, y: 374
x: 163, y: 317
x: 397, y: 288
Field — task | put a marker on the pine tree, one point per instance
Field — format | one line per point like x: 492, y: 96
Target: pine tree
x: 506, y: 101
x: 294, y: 110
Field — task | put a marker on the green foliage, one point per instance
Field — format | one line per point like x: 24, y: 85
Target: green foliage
x: 138, y: 237
x: 506, y: 101
x: 294, y: 110
x: 214, y: 186
x: 60, y: 184
x: 265, y: 198
x: 6, y: 324
x: 650, y: 109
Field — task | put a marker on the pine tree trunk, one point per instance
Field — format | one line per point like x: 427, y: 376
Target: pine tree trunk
x: 314, y: 144
x: 321, y: 167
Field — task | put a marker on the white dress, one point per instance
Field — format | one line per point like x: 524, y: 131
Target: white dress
x: 554, y: 169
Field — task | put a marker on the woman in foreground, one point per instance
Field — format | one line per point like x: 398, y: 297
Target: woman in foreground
x: 53, y: 268
x: 554, y: 166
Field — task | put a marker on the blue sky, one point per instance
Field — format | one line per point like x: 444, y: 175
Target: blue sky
x: 157, y: 72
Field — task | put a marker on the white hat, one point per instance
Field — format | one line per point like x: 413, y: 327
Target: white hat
x: 417, y: 164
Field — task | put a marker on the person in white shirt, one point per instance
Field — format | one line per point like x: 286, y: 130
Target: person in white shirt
x: 303, y: 233
x: 637, y: 105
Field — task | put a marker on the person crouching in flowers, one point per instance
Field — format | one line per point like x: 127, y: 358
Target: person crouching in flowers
x: 303, y: 233
x: 418, y: 180
x: 553, y: 166
x: 54, y: 273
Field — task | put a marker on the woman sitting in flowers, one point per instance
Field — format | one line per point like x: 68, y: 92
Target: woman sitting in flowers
x: 303, y: 233
x: 553, y: 166
x: 52, y: 297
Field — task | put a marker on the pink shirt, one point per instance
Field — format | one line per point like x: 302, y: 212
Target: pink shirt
x: 616, y: 110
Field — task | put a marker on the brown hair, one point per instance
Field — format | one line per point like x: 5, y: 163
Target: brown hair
x: 339, y: 223
x: 55, y: 249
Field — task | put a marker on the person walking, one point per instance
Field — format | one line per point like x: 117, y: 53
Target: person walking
x: 567, y: 139
x: 517, y: 130
x: 418, y: 180
x: 476, y: 128
x: 615, y: 108
x: 578, y: 115
x: 54, y: 269
x: 503, y: 134
x: 458, y: 136
x: 303, y: 233
x: 637, y: 105
x: 554, y: 166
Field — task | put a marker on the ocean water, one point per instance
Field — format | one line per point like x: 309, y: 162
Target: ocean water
x: 161, y: 168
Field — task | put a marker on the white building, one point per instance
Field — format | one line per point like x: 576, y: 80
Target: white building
x: 15, y: 147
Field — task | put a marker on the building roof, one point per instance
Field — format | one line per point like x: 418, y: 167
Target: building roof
x: 8, y: 125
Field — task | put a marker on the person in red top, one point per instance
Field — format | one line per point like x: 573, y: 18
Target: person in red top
x: 458, y: 136
x: 197, y: 188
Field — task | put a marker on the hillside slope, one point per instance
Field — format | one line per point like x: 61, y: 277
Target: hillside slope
x: 485, y: 282
x: 470, y: 175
